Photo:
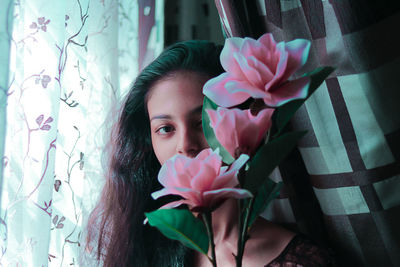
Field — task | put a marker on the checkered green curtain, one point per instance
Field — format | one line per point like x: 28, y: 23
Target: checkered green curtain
x: 349, y: 194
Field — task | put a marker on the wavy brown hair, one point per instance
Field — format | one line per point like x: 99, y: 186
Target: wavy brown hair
x: 116, y: 223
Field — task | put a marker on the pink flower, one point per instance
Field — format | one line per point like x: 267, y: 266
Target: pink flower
x: 238, y: 131
x: 259, y: 69
x: 202, y: 181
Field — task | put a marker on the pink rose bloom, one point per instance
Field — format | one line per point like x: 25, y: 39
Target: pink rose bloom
x: 259, y: 69
x: 202, y: 181
x: 238, y: 130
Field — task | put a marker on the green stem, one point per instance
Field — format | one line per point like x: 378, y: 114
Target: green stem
x: 239, y: 255
x: 208, y: 222
x: 243, y: 234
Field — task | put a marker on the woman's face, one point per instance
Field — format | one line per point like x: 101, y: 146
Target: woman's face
x: 174, y: 108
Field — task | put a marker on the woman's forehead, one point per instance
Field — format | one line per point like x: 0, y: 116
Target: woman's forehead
x: 180, y: 78
x: 184, y: 87
x: 178, y: 96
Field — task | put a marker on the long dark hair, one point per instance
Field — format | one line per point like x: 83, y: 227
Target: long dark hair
x: 117, y: 221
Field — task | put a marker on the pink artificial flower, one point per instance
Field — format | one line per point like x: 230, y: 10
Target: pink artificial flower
x: 259, y: 69
x: 202, y: 181
x: 238, y: 131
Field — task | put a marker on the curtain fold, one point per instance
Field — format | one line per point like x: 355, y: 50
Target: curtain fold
x: 351, y: 151
x: 6, y: 23
x: 71, y: 62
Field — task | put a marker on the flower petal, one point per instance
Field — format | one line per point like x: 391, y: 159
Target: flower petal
x: 223, y: 169
x: 262, y: 55
x: 175, y: 204
x: 214, y: 160
x: 228, y: 62
x: 264, y: 122
x: 166, y: 171
x: 280, y: 69
x: 204, y: 179
x: 270, y: 55
x: 225, y: 180
x: 189, y: 194
x: 267, y: 40
x: 251, y: 47
x: 298, y: 51
x: 236, y: 87
x: 221, y: 90
x: 205, y: 153
x: 160, y: 193
x: 264, y: 71
x: 225, y: 129
x: 297, y: 89
x: 248, y: 137
x: 211, y: 197
x: 250, y: 73
x: 237, y: 164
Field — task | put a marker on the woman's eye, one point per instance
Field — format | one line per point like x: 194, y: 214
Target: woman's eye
x: 165, y: 130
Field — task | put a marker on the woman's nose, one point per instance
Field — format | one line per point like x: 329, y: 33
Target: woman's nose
x: 189, y: 142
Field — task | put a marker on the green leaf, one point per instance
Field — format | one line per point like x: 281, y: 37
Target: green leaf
x: 268, y: 157
x: 181, y: 225
x: 268, y: 192
x: 209, y: 132
x: 283, y: 114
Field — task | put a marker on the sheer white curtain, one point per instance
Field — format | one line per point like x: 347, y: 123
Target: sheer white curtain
x: 65, y: 65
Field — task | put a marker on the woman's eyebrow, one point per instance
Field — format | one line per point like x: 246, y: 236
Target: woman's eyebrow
x: 160, y: 117
x: 192, y: 112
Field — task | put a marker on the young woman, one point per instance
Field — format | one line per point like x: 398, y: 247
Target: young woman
x: 161, y: 117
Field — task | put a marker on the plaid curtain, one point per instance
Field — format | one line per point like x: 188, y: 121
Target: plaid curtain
x: 342, y: 184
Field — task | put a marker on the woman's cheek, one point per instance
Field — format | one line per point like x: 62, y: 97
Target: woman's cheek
x: 164, y: 147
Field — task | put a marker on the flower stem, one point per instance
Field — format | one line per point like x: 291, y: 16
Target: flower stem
x: 243, y: 234
x: 208, y: 222
x: 239, y: 254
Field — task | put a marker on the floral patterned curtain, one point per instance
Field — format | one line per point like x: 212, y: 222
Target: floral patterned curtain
x: 64, y: 66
